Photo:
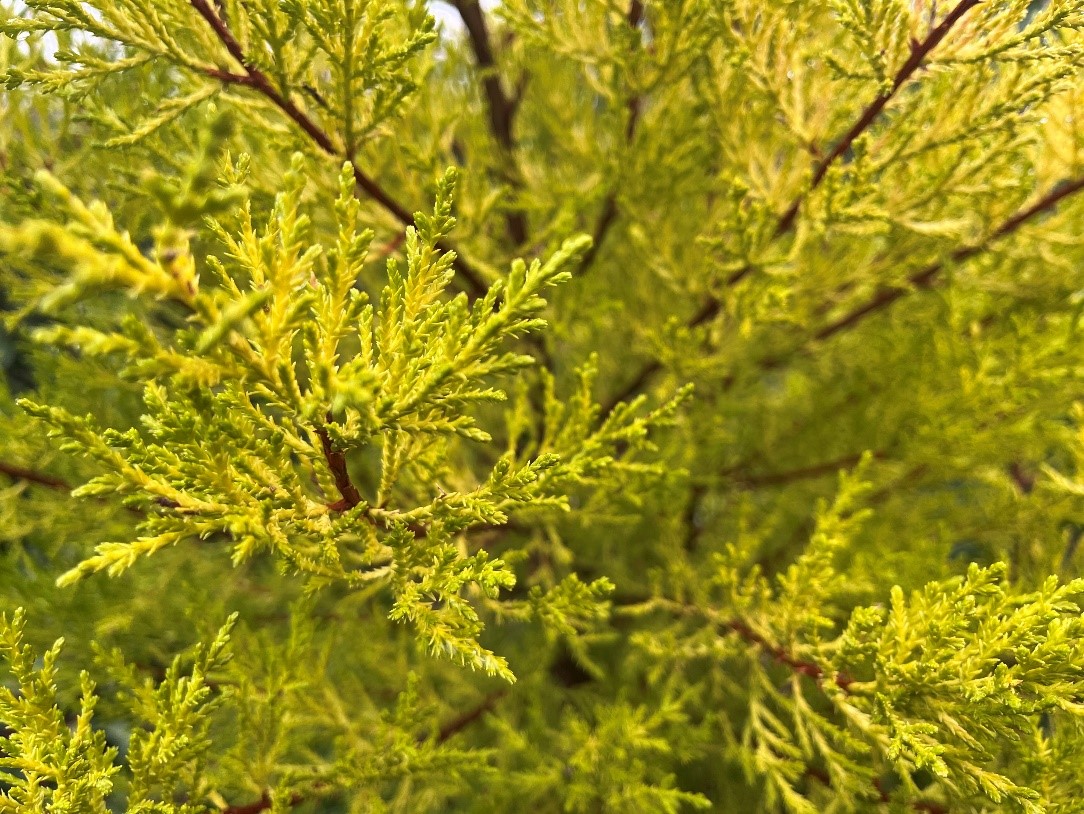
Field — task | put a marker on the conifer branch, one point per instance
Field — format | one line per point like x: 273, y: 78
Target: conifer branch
x: 61, y: 485
x: 783, y: 656
x: 926, y: 277
x: 800, y: 473
x: 870, y: 114
x: 634, y: 386
x: 919, y: 52
x: 921, y: 279
x: 461, y: 722
x: 608, y: 215
x: 257, y: 79
x: 883, y: 796
x: 470, y: 279
x: 336, y: 461
x: 744, y: 631
x: 954, y: 676
x: 21, y: 473
x: 501, y: 106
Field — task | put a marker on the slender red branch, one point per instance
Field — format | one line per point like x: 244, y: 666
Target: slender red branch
x: 461, y: 722
x: 926, y: 277
x: 256, y: 78
x: 229, y: 77
x: 922, y: 279
x: 52, y: 482
x: 609, y: 212
x: 780, y: 654
x: 336, y: 462
x: 919, y: 52
x: 870, y: 114
x: 501, y: 106
x: 349, y: 496
x: 259, y: 81
x: 391, y: 247
x: 690, y: 518
x: 40, y: 478
x: 746, y: 633
x: 800, y: 473
x: 263, y: 804
x: 1024, y: 480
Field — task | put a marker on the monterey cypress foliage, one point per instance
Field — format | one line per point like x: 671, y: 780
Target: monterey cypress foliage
x: 545, y: 405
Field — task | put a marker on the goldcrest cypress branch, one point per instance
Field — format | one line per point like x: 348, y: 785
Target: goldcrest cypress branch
x: 256, y: 79
x: 501, y: 105
x: 919, y: 51
x: 226, y: 394
x: 926, y: 277
x: 918, y: 280
x: 40, y: 478
x: 634, y: 19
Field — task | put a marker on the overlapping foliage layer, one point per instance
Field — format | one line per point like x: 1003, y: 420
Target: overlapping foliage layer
x: 577, y: 406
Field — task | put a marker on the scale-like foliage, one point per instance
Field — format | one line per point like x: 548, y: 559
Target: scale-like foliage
x: 528, y: 337
x: 52, y: 764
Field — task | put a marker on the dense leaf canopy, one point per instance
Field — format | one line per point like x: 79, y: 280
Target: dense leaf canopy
x: 569, y: 406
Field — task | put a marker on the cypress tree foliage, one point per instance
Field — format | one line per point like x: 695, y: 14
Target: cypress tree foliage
x: 571, y: 406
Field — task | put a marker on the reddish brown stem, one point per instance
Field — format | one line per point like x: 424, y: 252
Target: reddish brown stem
x: 259, y: 81
x: 263, y: 804
x: 349, y: 496
x: 40, y: 478
x: 391, y: 247
x: 461, y: 722
x: 796, y: 665
x: 919, y: 52
x: 609, y: 212
x: 336, y: 462
x: 927, y: 276
x: 869, y: 115
x: 500, y: 105
x: 922, y: 279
